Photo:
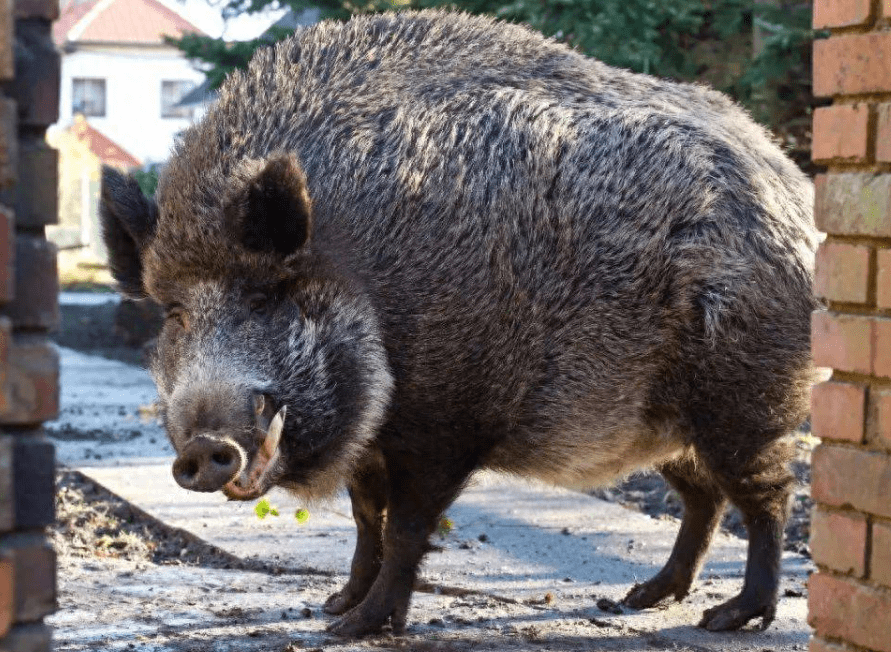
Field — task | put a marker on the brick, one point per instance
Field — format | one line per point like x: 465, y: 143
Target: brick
x: 37, y: 73
x: 36, y: 302
x: 838, y: 540
x: 883, y: 278
x: 881, y: 336
x: 7, y: 254
x: 34, y: 484
x: 852, y: 477
x: 851, y: 64
x: 841, y: 132
x: 842, y: 272
x: 842, y: 608
x: 46, y: 9
x: 879, y: 426
x: 880, y: 563
x: 6, y: 593
x: 7, y: 58
x: 30, y: 390
x: 883, y: 132
x: 9, y: 142
x: 837, y: 411
x: 7, y: 488
x: 34, y: 196
x: 840, y: 341
x: 34, y: 575
x: 840, y: 13
x: 28, y: 638
x: 854, y: 203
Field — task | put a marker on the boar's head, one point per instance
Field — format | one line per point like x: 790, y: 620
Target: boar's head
x: 269, y: 367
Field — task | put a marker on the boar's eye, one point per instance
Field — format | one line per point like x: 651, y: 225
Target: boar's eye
x: 179, y: 316
x: 258, y: 303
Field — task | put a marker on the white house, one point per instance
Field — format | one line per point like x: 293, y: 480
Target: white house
x: 118, y: 72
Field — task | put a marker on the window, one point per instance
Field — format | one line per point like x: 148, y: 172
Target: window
x: 171, y: 93
x: 88, y: 97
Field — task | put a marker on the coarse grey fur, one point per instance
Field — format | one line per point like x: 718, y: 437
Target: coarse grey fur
x: 474, y: 247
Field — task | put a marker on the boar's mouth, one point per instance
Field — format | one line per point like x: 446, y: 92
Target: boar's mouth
x: 253, y: 480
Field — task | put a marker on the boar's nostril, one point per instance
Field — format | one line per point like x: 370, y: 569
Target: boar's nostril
x: 223, y: 458
x: 206, y: 464
x: 188, y: 469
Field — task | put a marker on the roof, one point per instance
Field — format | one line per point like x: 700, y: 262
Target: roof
x: 136, y: 22
x: 105, y: 149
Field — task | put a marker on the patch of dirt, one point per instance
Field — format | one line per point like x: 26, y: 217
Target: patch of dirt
x: 93, y: 522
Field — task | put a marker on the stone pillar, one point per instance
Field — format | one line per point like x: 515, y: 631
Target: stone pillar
x: 29, y: 367
x: 850, y: 595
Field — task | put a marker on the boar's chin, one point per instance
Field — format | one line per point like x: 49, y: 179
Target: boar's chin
x: 326, y: 472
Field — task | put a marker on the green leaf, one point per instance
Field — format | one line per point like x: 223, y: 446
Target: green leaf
x: 302, y: 515
x: 263, y: 509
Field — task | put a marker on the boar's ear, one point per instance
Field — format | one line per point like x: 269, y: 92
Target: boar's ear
x: 128, y: 223
x: 268, y: 208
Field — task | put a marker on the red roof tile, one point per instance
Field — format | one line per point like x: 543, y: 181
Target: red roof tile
x: 108, y: 151
x: 143, y: 22
x: 68, y: 17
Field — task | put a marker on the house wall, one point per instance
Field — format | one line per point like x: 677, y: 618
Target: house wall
x: 29, y: 366
x: 133, y: 94
x: 850, y: 595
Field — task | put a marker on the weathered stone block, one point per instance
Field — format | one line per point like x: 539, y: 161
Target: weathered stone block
x: 6, y: 593
x: 7, y: 64
x: 33, y: 479
x: 30, y: 390
x: 27, y: 638
x: 37, y: 73
x: 34, y: 196
x: 46, y: 9
x: 7, y: 488
x: 7, y: 254
x: 9, y: 142
x: 35, y: 305
x: 34, y: 575
x: 854, y: 203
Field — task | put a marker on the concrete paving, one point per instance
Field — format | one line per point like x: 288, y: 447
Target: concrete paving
x: 523, y: 567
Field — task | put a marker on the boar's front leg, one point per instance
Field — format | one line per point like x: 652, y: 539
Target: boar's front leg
x: 417, y: 497
x: 368, y: 493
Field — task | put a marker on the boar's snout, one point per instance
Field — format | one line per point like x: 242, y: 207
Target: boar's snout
x: 207, y: 464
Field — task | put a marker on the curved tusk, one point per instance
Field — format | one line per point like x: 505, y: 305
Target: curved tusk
x: 274, y: 434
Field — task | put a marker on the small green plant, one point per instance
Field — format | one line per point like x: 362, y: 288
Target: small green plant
x: 264, y: 509
x: 445, y: 526
x: 302, y: 515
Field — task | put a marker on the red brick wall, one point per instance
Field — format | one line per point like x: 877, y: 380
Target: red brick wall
x: 29, y: 368
x: 850, y: 595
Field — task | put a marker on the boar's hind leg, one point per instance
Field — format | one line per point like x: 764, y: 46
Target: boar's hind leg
x: 703, y: 505
x: 417, y: 497
x: 759, y: 486
x: 368, y: 493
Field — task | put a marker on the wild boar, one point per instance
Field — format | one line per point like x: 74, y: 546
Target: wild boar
x: 409, y: 246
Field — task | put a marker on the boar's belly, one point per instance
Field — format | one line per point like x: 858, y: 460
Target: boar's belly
x: 583, y: 459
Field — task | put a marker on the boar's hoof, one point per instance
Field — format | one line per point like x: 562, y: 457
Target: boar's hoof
x: 737, y: 611
x: 207, y: 464
x: 340, y: 602
x: 362, y: 622
x: 652, y: 592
